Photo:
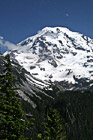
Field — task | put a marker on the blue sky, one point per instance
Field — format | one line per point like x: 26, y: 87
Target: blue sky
x: 20, y: 19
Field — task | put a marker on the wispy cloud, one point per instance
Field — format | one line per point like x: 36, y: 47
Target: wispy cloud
x: 6, y: 45
x: 10, y: 46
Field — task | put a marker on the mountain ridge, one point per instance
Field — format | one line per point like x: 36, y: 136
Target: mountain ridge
x: 56, y: 54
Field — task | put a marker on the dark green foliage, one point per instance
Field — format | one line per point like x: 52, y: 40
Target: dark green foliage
x: 12, y: 118
x: 6, y: 79
x: 77, y: 110
x: 53, y: 127
x: 75, y: 107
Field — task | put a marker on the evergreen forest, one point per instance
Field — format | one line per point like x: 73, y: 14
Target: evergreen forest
x: 66, y: 116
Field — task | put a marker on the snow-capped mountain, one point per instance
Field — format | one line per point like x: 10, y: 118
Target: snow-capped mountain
x: 52, y: 55
x: 6, y: 45
x: 57, y: 54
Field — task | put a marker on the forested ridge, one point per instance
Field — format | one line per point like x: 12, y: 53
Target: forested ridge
x: 66, y: 116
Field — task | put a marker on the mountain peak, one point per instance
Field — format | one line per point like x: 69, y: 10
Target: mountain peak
x: 57, y: 54
x: 56, y: 29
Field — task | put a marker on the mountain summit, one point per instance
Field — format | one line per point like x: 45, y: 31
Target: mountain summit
x: 58, y: 55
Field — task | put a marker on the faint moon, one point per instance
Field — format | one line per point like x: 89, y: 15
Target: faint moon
x: 67, y: 15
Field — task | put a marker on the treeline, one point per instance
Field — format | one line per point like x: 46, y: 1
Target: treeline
x: 66, y: 116
x: 12, y: 117
x: 74, y: 107
x: 15, y: 124
x: 76, y: 110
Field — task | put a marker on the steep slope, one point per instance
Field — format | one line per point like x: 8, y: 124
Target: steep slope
x: 58, y: 55
x: 29, y: 88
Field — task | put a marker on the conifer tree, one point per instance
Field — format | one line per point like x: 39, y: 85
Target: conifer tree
x: 12, y: 120
x: 53, y: 127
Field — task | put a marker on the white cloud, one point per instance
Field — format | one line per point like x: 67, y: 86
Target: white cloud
x: 1, y: 37
x: 7, y: 44
x: 10, y: 46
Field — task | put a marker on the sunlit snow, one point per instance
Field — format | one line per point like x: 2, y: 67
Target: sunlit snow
x: 57, y: 54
